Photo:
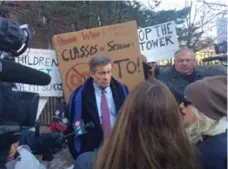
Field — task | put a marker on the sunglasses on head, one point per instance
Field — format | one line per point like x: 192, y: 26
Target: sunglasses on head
x: 186, y: 102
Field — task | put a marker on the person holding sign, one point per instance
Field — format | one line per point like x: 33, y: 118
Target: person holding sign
x: 93, y: 107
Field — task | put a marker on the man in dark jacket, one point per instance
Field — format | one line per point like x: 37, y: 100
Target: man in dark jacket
x: 183, y: 72
x: 94, y: 106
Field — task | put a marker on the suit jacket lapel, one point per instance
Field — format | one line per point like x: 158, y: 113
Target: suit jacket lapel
x: 116, y: 95
x: 90, y: 101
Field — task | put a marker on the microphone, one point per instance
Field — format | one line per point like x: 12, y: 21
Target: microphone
x: 17, y: 73
x: 79, y: 128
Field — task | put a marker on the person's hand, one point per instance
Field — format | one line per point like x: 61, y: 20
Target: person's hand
x: 13, y: 151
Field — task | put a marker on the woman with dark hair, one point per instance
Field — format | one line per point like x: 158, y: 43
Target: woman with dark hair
x: 148, y: 134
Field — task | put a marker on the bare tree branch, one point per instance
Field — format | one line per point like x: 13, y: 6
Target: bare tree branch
x: 210, y: 28
x: 207, y: 44
x: 212, y: 18
x: 196, y: 12
x: 199, y: 21
x: 214, y: 3
x: 188, y: 18
x: 156, y: 4
x: 197, y: 40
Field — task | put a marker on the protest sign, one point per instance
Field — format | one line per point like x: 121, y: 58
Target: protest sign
x: 45, y: 61
x: 158, y: 42
x: 119, y: 41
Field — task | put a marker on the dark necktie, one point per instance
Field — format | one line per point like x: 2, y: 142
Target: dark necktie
x: 105, y: 114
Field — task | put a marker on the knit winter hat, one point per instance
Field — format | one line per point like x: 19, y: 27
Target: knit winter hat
x: 209, y: 96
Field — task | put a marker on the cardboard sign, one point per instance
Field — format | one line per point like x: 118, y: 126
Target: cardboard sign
x: 45, y: 61
x: 120, y: 42
x: 158, y: 42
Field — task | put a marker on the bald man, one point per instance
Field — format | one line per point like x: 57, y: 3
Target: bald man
x: 182, y: 73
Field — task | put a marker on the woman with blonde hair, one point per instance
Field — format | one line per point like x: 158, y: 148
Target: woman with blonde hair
x: 205, y: 116
x: 148, y: 134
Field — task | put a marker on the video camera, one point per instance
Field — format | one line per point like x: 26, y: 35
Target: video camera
x: 15, y: 107
x: 18, y: 110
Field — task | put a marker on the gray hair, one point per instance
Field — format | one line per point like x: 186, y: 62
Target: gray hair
x: 184, y: 49
x: 98, y: 60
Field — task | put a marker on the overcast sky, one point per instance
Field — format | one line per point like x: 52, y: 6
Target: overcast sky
x: 179, y: 4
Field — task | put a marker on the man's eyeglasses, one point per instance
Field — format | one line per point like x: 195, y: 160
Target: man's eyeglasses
x: 186, y: 102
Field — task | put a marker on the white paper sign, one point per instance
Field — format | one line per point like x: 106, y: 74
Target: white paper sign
x: 41, y: 105
x: 158, y: 42
x: 45, y: 61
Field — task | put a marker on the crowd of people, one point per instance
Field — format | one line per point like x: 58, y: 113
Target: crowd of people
x: 176, y: 119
